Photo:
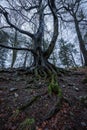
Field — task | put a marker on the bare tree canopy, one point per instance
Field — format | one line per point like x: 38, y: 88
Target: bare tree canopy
x: 32, y: 14
x: 33, y: 19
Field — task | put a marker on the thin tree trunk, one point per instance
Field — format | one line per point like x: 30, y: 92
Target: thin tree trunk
x: 14, y: 53
x: 81, y: 41
x: 25, y: 60
x: 74, y: 63
x: 55, y: 33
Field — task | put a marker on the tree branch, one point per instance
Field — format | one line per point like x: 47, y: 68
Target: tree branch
x: 20, y: 49
x: 5, y: 27
x: 5, y: 13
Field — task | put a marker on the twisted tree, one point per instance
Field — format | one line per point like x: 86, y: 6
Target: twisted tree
x: 38, y: 10
x: 34, y: 9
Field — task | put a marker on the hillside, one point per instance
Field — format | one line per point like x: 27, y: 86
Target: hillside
x: 25, y: 101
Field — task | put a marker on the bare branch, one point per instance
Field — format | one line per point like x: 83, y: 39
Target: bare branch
x: 5, y: 27
x: 5, y: 13
x: 15, y: 48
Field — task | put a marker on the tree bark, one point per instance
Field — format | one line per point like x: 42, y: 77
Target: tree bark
x: 14, y: 53
x: 55, y: 33
x: 40, y: 57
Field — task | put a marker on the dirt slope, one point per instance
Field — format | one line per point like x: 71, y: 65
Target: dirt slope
x: 25, y: 101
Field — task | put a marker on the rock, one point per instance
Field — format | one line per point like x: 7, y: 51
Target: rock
x: 39, y: 83
x: 83, y: 124
x: 19, y: 79
x: 63, y: 86
x: 13, y: 89
x: 75, y: 88
x: 16, y: 95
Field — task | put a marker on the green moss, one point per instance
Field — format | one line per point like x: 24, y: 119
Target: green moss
x: 27, y: 121
x: 27, y: 124
x: 15, y: 114
x: 54, y: 87
x: 59, y: 92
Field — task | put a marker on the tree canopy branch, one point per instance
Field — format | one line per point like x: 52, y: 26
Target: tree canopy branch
x: 5, y: 13
x: 15, y: 48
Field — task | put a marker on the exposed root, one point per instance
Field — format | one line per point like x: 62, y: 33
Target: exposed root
x: 34, y: 98
x: 27, y: 124
x: 54, y: 109
x: 46, y: 71
x: 66, y: 100
x: 23, y: 107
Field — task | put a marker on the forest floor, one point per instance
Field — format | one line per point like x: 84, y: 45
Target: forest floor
x: 25, y: 101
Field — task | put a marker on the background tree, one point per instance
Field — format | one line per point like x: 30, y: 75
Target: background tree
x: 3, y: 52
x: 75, y: 10
x: 66, y: 53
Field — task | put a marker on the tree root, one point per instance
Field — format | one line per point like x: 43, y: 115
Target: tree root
x: 23, y: 107
x: 30, y: 102
x: 45, y: 70
x: 67, y: 101
x: 56, y: 108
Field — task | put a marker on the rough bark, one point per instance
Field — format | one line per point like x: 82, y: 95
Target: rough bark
x: 55, y: 33
x: 14, y: 53
x: 40, y: 57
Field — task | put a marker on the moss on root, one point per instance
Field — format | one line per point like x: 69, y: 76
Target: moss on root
x: 27, y: 124
x: 54, y: 86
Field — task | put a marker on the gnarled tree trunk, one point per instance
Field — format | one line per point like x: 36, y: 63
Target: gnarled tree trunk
x: 40, y: 56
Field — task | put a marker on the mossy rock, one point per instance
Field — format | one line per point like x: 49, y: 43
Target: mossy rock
x: 54, y: 87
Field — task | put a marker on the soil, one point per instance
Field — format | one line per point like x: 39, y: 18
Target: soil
x: 25, y: 101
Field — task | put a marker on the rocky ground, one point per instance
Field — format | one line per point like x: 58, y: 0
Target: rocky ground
x: 25, y: 101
